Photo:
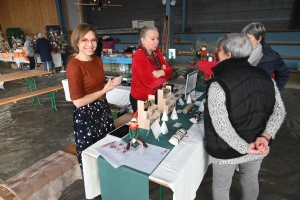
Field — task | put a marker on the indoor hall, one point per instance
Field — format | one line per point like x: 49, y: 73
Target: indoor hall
x: 30, y: 132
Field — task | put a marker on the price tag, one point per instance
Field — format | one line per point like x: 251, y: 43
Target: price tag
x: 155, y: 127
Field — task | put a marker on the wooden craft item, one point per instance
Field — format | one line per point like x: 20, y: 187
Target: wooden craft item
x: 143, y: 120
x: 148, y: 103
x: 196, y: 118
x: 188, y: 108
x: 166, y: 91
x: 162, y: 96
x: 177, y: 137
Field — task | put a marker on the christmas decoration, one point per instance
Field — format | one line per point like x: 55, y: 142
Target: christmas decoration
x: 165, y: 117
x: 189, y: 100
x: 57, y: 39
x: 164, y: 128
x: 15, y: 37
x: 134, y: 132
x: 174, y: 115
x: 4, y: 46
x: 177, y: 137
x: 202, y: 53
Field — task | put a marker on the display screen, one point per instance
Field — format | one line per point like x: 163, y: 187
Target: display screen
x: 191, y: 82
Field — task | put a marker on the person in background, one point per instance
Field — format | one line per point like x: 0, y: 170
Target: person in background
x: 243, y: 112
x: 44, y: 48
x: 30, y: 52
x: 264, y: 56
x: 149, y: 68
x: 92, y: 118
x: 98, y: 50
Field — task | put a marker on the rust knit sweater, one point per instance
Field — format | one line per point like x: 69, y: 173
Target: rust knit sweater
x: 85, y: 77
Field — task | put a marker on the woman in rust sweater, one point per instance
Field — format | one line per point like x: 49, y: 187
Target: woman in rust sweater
x: 149, y: 69
x: 92, y: 118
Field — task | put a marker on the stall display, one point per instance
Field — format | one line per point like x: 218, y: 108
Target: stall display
x: 165, y: 100
x: 148, y: 112
x: 177, y: 137
x: 15, y: 37
x: 134, y: 132
x: 57, y: 39
x: 4, y: 46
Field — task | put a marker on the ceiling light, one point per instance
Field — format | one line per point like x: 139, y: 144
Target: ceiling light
x: 173, y: 2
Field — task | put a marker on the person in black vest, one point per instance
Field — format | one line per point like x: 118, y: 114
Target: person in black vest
x: 243, y: 112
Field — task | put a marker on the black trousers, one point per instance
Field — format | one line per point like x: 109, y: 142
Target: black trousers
x: 133, y: 102
x: 32, y: 61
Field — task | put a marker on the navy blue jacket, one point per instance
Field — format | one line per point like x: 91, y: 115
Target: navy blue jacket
x: 44, y: 47
x: 272, y: 62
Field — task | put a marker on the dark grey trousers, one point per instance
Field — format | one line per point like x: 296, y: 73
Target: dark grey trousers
x: 248, y: 173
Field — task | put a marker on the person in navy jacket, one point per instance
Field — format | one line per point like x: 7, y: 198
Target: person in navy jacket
x: 264, y: 56
x: 44, y: 48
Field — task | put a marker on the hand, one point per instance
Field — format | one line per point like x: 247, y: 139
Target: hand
x: 258, y: 148
x: 111, y: 84
x: 261, y: 142
x: 158, y: 73
x: 116, y: 81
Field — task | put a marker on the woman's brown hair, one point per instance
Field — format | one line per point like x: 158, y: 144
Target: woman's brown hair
x: 79, y: 32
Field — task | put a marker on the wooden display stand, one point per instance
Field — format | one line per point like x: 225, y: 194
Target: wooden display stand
x: 144, y: 118
x: 165, y: 101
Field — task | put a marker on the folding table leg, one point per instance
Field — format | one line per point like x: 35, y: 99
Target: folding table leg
x: 113, y: 69
x: 161, y: 192
x: 52, y: 99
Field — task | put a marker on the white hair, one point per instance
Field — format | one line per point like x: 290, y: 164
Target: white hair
x: 40, y: 35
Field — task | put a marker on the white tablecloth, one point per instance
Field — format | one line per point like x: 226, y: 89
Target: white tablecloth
x: 57, y: 60
x: 183, y: 169
x: 119, y: 96
x: 9, y: 59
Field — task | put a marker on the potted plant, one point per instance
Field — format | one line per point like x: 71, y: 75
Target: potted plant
x: 176, y: 70
x: 192, y: 66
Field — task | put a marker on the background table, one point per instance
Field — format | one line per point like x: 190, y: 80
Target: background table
x: 206, y: 66
x: 57, y: 60
x: 119, y: 96
x: 117, y: 60
x: 9, y: 59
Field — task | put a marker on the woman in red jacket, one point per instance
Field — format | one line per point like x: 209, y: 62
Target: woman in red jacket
x: 149, y: 68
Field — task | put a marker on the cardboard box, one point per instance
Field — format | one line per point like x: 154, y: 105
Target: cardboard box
x: 14, y: 66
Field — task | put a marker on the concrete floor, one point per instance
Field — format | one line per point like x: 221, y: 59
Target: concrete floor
x: 29, y: 132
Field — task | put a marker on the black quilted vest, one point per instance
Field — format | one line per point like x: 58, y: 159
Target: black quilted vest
x: 250, y: 99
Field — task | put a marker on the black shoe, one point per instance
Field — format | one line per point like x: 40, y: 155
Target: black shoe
x: 128, y: 146
x: 144, y: 144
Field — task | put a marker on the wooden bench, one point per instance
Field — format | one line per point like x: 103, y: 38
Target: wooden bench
x: 50, y: 91
x: 46, y: 179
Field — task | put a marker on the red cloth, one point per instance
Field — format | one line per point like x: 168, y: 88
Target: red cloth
x: 143, y: 82
x: 206, y: 66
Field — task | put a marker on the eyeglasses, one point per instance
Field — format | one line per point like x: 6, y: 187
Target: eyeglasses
x: 219, y: 49
x: 86, y: 41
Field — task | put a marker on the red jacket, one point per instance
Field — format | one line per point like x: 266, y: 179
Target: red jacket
x: 143, y: 82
